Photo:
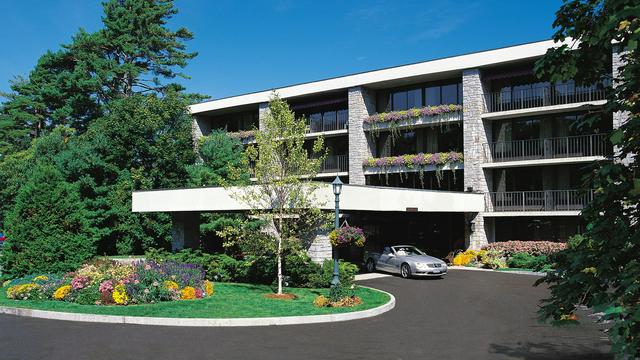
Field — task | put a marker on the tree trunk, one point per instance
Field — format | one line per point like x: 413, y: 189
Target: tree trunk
x: 280, y: 255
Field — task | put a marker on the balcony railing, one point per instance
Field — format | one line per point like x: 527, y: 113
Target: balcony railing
x: 545, y: 200
x: 328, y: 121
x: 335, y: 163
x: 545, y: 95
x: 550, y: 148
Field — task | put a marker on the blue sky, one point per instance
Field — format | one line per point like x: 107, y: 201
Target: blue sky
x: 246, y: 46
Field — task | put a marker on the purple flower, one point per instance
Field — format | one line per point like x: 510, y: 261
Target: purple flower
x: 398, y: 160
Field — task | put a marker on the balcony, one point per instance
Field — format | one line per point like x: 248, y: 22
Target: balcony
x: 335, y: 164
x: 540, y: 95
x: 570, y: 201
x: 594, y: 145
x: 328, y: 121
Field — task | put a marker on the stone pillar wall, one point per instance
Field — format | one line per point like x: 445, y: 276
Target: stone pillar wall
x: 199, y: 127
x: 476, y: 133
x: 619, y: 117
x: 185, y: 230
x: 263, y: 110
x: 320, y: 248
x: 361, y: 104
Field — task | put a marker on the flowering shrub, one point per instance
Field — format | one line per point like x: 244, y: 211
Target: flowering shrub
x: 397, y: 116
x: 534, y: 248
x: 465, y: 258
x: 416, y: 160
x: 104, y: 283
x: 347, y: 235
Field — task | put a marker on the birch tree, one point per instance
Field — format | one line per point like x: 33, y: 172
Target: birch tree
x: 283, y: 193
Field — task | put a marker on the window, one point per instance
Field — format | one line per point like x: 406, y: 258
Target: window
x: 433, y: 96
x: 414, y: 98
x: 450, y: 94
x: 399, y: 101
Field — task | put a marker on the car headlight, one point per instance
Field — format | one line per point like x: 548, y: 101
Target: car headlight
x: 421, y: 266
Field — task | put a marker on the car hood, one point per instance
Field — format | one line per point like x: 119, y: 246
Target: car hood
x: 424, y: 258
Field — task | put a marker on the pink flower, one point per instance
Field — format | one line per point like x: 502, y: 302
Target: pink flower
x: 199, y: 293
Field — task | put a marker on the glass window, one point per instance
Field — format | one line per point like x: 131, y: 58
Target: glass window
x: 450, y: 94
x: 414, y: 98
x: 432, y: 95
x: 459, y: 93
x: 400, y: 101
x: 316, y: 122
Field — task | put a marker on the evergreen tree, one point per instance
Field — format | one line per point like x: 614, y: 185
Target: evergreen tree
x: 47, y: 228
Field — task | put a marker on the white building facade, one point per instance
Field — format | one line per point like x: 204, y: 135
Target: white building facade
x: 482, y: 150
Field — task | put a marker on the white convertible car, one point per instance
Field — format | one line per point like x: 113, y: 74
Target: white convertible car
x: 406, y: 260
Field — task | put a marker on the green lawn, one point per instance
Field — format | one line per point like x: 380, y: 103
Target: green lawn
x: 229, y: 301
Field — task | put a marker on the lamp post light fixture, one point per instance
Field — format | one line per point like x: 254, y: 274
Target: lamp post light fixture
x: 337, y: 189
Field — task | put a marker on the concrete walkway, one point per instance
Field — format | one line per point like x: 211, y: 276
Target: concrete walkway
x: 466, y: 315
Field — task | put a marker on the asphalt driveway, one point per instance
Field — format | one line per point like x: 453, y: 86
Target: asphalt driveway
x: 467, y: 315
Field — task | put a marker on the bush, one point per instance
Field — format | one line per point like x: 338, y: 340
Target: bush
x: 533, y: 248
x: 468, y: 257
x: 323, y: 278
x: 47, y: 229
x: 523, y: 260
x: 491, y: 259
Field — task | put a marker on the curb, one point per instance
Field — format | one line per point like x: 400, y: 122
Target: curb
x: 202, y: 322
x: 517, y: 272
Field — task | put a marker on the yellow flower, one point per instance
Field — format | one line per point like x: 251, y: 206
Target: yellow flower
x: 4, y: 284
x: 41, y: 278
x: 208, y: 287
x: 188, y: 293
x: 120, y: 295
x: 171, y: 285
x: 62, y: 292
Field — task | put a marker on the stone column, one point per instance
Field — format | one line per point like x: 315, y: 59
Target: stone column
x: 185, y: 230
x: 361, y: 105
x: 263, y: 110
x: 319, y: 249
x: 200, y: 127
x: 476, y: 133
x: 619, y: 117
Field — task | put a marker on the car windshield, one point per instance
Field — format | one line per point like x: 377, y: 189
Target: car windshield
x: 407, y: 250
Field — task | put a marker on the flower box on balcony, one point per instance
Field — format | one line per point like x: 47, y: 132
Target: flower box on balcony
x: 243, y: 135
x: 415, y: 162
x: 428, y: 115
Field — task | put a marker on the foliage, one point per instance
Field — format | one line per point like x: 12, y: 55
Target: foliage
x: 491, y: 259
x: 133, y: 53
x: 533, y: 248
x: 47, y: 230
x: 105, y: 283
x: 221, y: 162
x: 465, y: 258
x: 347, y: 235
x: 416, y: 161
x: 601, y: 268
x: 523, y: 260
x: 284, y: 171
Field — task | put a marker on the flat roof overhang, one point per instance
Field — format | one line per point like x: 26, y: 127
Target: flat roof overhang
x: 392, y: 76
x: 352, y: 198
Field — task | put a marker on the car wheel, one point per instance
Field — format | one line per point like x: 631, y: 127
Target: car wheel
x: 371, y: 266
x: 405, y: 271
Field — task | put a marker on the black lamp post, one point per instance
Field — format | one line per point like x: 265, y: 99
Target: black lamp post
x: 337, y: 188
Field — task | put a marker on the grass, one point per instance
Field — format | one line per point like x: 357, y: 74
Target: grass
x: 229, y: 301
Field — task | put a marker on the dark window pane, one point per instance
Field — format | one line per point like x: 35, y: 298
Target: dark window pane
x: 316, y: 122
x: 329, y: 120
x: 400, y: 101
x: 432, y: 95
x: 450, y: 94
x: 459, y: 94
x: 414, y: 98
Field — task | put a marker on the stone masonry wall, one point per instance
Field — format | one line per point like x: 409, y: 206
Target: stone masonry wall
x: 263, y: 110
x: 361, y: 104
x: 475, y: 134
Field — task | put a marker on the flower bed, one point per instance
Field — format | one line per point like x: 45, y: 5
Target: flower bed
x: 109, y: 283
x: 416, y: 160
x: 397, y: 116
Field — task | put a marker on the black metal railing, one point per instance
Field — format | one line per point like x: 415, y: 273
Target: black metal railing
x: 328, y: 121
x: 335, y: 163
x: 545, y: 95
x: 544, y: 200
x: 550, y: 148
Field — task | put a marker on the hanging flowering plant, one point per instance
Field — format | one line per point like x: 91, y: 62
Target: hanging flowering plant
x: 396, y: 116
x: 413, y: 160
x: 242, y: 134
x: 346, y: 236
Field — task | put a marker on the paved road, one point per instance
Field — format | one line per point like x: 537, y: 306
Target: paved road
x: 468, y: 315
